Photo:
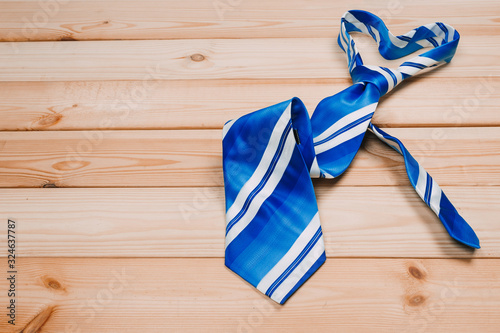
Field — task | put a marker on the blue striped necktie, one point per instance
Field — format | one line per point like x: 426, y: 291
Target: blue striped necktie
x: 273, y: 233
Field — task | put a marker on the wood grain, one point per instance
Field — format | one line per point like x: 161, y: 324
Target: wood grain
x: 76, y: 20
x: 194, y: 59
x: 120, y: 105
x: 193, y: 295
x: 190, y: 222
x: 453, y: 156
x: 201, y: 104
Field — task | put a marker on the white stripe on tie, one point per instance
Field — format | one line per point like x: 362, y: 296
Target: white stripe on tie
x: 436, y: 30
x: 346, y: 120
x: 226, y: 127
x: 354, y: 21
x: 315, y: 171
x: 435, y: 202
x: 299, y: 271
x: 421, y: 182
x: 451, y: 32
x: 344, y: 44
x: 388, y: 77
x: 266, y: 191
x: 377, y: 35
x: 263, y: 166
x: 327, y: 175
x: 396, y: 41
x: 424, y: 61
x: 410, y: 34
x: 341, y: 138
x: 389, y: 142
x: 292, y: 254
x: 409, y: 70
x: 399, y: 76
x: 424, y: 43
x: 347, y: 41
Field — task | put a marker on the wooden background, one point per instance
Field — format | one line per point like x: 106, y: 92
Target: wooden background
x: 110, y: 164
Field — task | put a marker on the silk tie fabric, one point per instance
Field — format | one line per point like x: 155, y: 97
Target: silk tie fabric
x: 273, y: 234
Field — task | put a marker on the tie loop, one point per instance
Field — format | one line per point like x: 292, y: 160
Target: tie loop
x: 442, y: 37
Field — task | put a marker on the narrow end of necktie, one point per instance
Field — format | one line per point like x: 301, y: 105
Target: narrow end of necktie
x: 456, y: 226
x: 431, y: 193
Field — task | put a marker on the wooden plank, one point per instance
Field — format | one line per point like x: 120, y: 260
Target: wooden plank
x: 454, y: 156
x: 198, y: 295
x: 196, y: 59
x: 361, y: 221
x: 197, y: 104
x: 76, y: 20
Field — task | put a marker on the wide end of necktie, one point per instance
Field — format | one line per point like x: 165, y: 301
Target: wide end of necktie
x: 274, y: 238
